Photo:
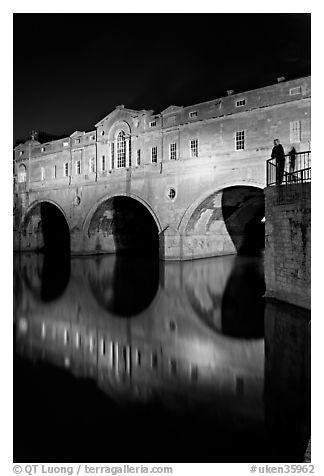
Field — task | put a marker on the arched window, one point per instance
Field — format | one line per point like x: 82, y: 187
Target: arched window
x: 121, y: 149
x: 22, y: 176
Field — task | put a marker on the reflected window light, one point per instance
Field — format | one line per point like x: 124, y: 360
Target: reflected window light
x: 43, y: 330
x: 114, y: 354
x: 194, y: 372
x: 77, y: 340
x: 173, y: 367
x: 91, y: 344
x: 154, y: 361
x: 23, y: 325
x: 138, y: 357
x: 66, y: 336
x: 103, y: 347
x: 124, y: 354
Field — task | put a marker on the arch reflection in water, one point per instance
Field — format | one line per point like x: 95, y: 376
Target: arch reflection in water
x: 123, y: 285
x: 167, y: 350
x: 46, y: 276
x: 227, y: 294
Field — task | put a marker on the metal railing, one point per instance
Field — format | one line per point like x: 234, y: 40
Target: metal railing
x: 296, y: 169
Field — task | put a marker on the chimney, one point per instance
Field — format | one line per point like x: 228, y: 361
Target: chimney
x: 230, y: 92
x: 280, y: 79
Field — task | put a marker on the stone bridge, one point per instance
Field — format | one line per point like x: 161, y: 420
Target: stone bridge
x: 185, y: 212
x: 188, y: 181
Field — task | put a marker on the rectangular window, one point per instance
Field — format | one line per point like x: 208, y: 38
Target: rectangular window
x: 173, y: 151
x: 240, y: 102
x: 103, y: 163
x: 154, y: 155
x: 138, y: 157
x: 77, y: 141
x: 295, y: 131
x: 153, y: 124
x: 112, y: 154
x: 54, y: 171
x: 92, y: 165
x: 78, y: 167
x: 194, y: 148
x: 42, y: 173
x: 239, y: 140
x: 21, y: 153
x: 43, y: 149
x: 294, y: 91
x: 193, y: 114
x: 65, y: 144
x: 66, y: 169
x: 91, y: 137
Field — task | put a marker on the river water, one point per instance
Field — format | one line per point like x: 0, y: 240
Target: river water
x: 125, y: 359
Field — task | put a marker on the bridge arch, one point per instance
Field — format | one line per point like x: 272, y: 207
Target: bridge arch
x: 189, y: 211
x: 45, y: 226
x: 231, y: 213
x: 121, y: 222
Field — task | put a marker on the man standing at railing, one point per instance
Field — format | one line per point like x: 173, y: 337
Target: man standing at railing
x: 278, y: 153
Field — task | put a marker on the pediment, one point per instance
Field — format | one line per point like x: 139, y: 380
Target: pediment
x: 76, y: 133
x: 132, y: 112
x: 171, y: 110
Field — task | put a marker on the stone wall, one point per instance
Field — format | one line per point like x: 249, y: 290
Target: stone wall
x: 288, y: 243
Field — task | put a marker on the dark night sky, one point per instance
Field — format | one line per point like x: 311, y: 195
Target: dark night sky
x: 71, y: 70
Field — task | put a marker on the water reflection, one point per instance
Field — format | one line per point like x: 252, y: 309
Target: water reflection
x: 123, y: 285
x: 192, y: 345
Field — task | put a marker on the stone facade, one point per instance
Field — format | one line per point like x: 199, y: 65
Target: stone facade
x: 172, y: 163
x: 288, y: 243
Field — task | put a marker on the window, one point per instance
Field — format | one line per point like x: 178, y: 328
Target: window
x: 240, y: 102
x: 78, y: 167
x: 193, y: 114
x: 121, y: 150
x: 154, y: 155
x: 21, y: 153
x: 54, y: 171
x: 171, y: 194
x: 173, y: 151
x: 102, y: 133
x: 42, y: 173
x: 153, y: 124
x: 65, y: 144
x: 103, y: 163
x: 22, y: 176
x: 294, y: 91
x: 91, y: 137
x: 138, y: 157
x: 295, y: 131
x: 77, y: 141
x: 92, y: 165
x: 194, y: 148
x: 66, y: 169
x: 239, y: 140
x: 43, y: 149
x: 112, y: 154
